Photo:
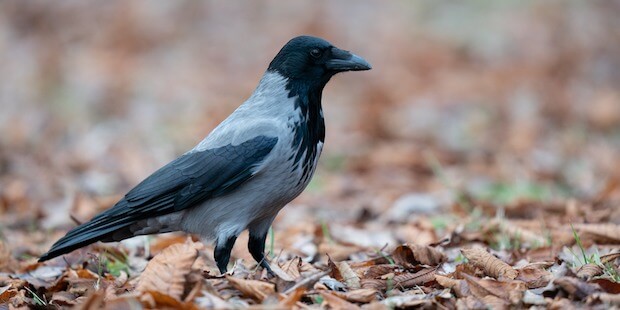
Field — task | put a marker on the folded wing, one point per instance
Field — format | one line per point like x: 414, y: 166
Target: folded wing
x: 185, y: 182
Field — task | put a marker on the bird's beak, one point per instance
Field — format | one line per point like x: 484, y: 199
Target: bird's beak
x: 346, y: 61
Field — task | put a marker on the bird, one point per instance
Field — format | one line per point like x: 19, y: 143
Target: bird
x: 243, y: 172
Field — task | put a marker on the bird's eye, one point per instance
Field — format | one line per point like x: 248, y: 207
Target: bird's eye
x: 315, y: 52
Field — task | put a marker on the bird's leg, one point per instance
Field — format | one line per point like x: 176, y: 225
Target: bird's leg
x: 222, y: 252
x: 256, y: 246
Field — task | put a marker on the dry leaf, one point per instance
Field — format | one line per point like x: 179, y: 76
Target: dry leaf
x: 291, y: 299
x: 511, y: 291
x: 254, y: 289
x: 588, y: 271
x: 611, y: 299
x: 534, y: 276
x: 602, y: 233
x: 6, y: 293
x: 407, y: 280
x: 607, y: 285
x: 411, y: 255
x: 608, y: 258
x: 166, y: 272
x: 341, y: 271
x: 460, y: 287
x: 335, y: 302
x: 492, y: 265
x: 158, y: 300
x: 363, y: 295
x: 575, y: 287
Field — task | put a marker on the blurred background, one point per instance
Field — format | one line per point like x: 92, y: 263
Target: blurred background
x: 497, y: 101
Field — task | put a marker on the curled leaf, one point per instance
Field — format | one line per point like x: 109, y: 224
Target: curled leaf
x: 589, y: 271
x: 492, y: 265
x: 254, y: 289
x: 410, y: 255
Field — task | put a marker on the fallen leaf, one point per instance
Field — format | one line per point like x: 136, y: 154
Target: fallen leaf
x: 492, y: 265
x: 575, y: 287
x: 534, y: 276
x: 362, y: 295
x: 601, y: 233
x: 335, y: 302
x: 166, y: 272
x: 411, y: 255
x: 511, y: 291
x: 254, y: 289
x: 291, y: 299
x: 588, y: 271
x: 407, y: 280
x: 341, y: 271
x: 607, y: 285
x: 608, y: 258
x: 610, y: 299
x: 158, y: 300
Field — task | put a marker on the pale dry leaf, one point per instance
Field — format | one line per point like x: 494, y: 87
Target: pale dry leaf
x: 575, y: 287
x: 362, y: 295
x: 491, y: 265
x: 288, y: 301
x: 602, y: 233
x: 588, y: 271
x: 610, y: 299
x: 494, y: 302
x: 411, y: 255
x: 608, y: 258
x: 210, y: 300
x: 407, y: 280
x: 159, y: 300
x: 511, y: 291
x: 166, y: 272
x: 446, y: 281
x: 257, y: 290
x: 341, y: 271
x: 534, y: 276
x: 335, y: 302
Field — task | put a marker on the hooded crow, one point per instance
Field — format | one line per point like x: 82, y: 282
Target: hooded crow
x: 239, y: 177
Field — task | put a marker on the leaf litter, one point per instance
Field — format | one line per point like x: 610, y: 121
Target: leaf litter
x: 467, y: 178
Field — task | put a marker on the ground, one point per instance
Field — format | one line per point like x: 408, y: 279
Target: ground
x: 474, y: 167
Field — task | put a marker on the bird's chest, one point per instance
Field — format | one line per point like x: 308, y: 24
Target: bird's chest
x: 299, y: 153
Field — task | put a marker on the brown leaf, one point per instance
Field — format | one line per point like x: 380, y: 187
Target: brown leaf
x: 607, y: 285
x: 610, y: 299
x: 257, y: 290
x: 575, y: 287
x: 601, y: 233
x: 588, y: 271
x: 336, y: 302
x: 460, y: 287
x: 408, y: 280
x: 363, y: 295
x: 6, y: 293
x: 410, y: 255
x: 534, y: 276
x: 291, y: 299
x: 341, y: 271
x: 511, y: 291
x: 492, y: 265
x: 377, y: 271
x: 158, y: 300
x: 166, y: 272
x: 608, y: 258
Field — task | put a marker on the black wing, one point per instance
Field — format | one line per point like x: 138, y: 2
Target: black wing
x: 184, y: 182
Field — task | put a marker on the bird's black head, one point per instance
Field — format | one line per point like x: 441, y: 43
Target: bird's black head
x: 314, y: 59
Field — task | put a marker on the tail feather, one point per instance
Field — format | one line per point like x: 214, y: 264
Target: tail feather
x: 102, y: 227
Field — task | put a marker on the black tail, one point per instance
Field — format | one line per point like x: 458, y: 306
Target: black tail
x: 100, y: 228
